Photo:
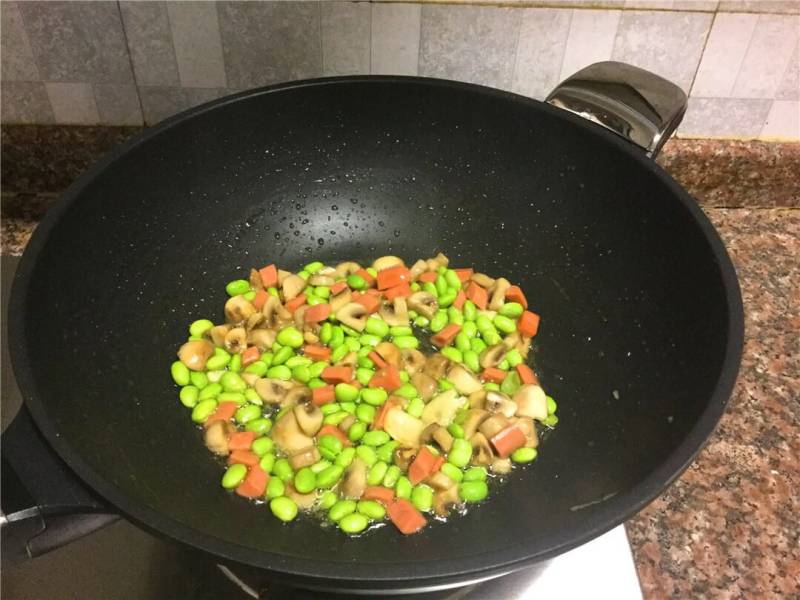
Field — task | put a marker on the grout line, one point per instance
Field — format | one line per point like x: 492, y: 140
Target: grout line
x: 172, y: 45
x: 744, y: 58
x: 130, y: 64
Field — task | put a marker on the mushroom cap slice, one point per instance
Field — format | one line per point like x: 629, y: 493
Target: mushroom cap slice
x: 412, y: 360
x: 501, y: 466
x: 463, y: 380
x: 442, y: 408
x: 288, y: 436
x: 309, y: 418
x: 493, y: 425
x: 390, y: 353
x: 501, y: 285
x: 417, y: 269
x: 216, y: 437
x: 402, y: 427
x: 292, y: 286
x: 529, y: 429
x: 481, y: 450
x: 275, y: 314
x: 347, y: 268
x: 425, y: 384
x: 304, y: 457
x: 443, y: 500
x: 341, y: 299
x: 531, y: 402
x: 236, y: 340
x: 272, y: 391
x: 261, y: 339
x: 218, y: 333
x: 475, y: 416
x: 320, y: 279
x: 256, y: 282
x: 384, y: 262
x: 238, y: 309
x: 354, y: 481
x: 482, y: 280
x: 354, y: 315
x: 498, y: 402
x: 436, y: 366
x: 423, y: 303
x: 195, y: 353
x: 303, y: 501
x: 493, y: 356
x: 396, y: 313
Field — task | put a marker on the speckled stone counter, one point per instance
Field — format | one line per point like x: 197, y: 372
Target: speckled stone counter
x: 729, y: 527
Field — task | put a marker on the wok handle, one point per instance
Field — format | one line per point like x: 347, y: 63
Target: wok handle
x: 44, y: 505
x: 638, y: 105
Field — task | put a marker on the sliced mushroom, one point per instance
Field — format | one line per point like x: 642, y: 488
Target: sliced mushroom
x: 531, y: 402
x: 442, y: 408
x: 347, y: 268
x: 524, y: 346
x: 424, y: 303
x: 354, y: 481
x: 498, y: 402
x: 261, y: 339
x: 250, y: 378
x: 348, y: 360
x: 299, y: 316
x: 425, y: 384
x: 482, y: 280
x: 481, y: 450
x: 474, y: 418
x: 403, y: 457
x: 501, y: 466
x: 346, y: 423
x: 309, y: 418
x: 511, y: 340
x: 384, y: 262
x: 236, y: 340
x: 216, y: 437
x: 310, y: 337
x: 529, y: 429
x: 444, y: 500
x: 477, y: 399
x: 417, y: 269
x: 412, y: 360
x: 319, y: 279
x: 282, y: 275
x: 194, y: 354
x: 303, y: 501
x: 440, y: 260
x: 389, y: 352
x: 501, y: 285
x: 218, y: 333
x: 439, y: 481
x: 354, y: 315
x: 288, y: 436
x: 427, y: 434
x: 275, y: 314
x: 305, y: 457
x: 493, y: 356
x: 255, y: 280
x: 254, y: 320
x: 436, y: 366
x: 341, y: 299
x: 403, y: 428
x: 299, y: 394
x: 442, y: 437
x: 463, y: 380
x: 292, y: 287
x: 272, y: 391
x: 396, y: 313
x: 238, y: 310
x: 493, y: 425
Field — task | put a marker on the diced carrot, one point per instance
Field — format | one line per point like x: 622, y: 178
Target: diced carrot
x: 425, y: 464
x: 334, y: 431
x: 508, y: 440
x: 260, y: 299
x: 364, y: 274
x: 477, y: 294
x: 241, y: 440
x: 380, y: 416
x: 338, y: 287
x: 255, y: 484
x: 382, y: 494
x: 243, y: 457
x: 514, y: 294
x: 224, y: 412
x: 337, y: 374
x: 250, y: 356
x: 372, y: 292
x: 269, y: 276
x: 461, y: 297
x: 403, y: 290
x: 317, y: 313
x: 446, y: 335
x: 464, y: 274
x: 387, y: 377
x: 370, y: 302
x: 295, y: 303
x: 493, y: 374
x: 393, y: 276
x: 405, y: 517
x: 428, y: 277
x: 323, y: 395
x: 377, y: 359
x: 317, y: 352
x: 526, y: 375
x: 528, y: 324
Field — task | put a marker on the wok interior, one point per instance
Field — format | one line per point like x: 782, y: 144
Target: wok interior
x: 632, y: 335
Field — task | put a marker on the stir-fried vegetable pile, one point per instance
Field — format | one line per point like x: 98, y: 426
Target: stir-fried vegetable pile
x: 316, y: 391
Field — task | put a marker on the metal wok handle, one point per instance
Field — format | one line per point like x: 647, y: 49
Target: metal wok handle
x: 638, y: 105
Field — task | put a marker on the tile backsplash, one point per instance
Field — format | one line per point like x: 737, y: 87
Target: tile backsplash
x: 137, y: 62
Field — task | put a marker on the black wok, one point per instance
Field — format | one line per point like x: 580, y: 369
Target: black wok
x: 640, y: 338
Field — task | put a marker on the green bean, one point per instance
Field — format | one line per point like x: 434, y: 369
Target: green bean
x: 198, y: 379
x: 346, y: 457
x: 475, y: 474
x: 371, y: 509
x: 392, y: 475
x: 415, y: 407
x: 470, y: 311
x: 346, y: 392
x: 422, y: 498
x: 460, y: 453
x: 203, y: 409
x: 316, y: 383
x: 354, y: 523
x: 337, y: 337
x: 357, y: 282
x: 376, y: 473
x: 452, y: 472
x: 504, y: 324
x: 368, y: 340
x: 386, y: 451
x: 455, y: 316
x: 281, y: 356
x: 367, y: 454
x: 421, y: 321
x: 447, y: 298
x: 275, y: 488
x: 260, y: 426
x: 363, y: 375
x: 551, y: 405
x: 262, y: 445
x: 330, y: 408
x: 335, y: 418
x: 456, y: 430
x: 284, y: 508
x: 451, y: 277
x: 364, y: 362
x: 329, y: 446
x: 237, y: 287
x: 377, y: 326
x: 477, y: 345
x: 283, y: 470
x: 439, y: 321
x: 365, y: 413
x: 407, y: 391
x: 327, y: 500
x: 323, y: 292
x: 400, y: 330
x: 305, y: 481
x: 473, y: 491
x: 280, y: 372
x: 290, y: 336
x: 356, y: 431
x: 403, y: 488
x: 406, y: 342
x: 189, y: 395
x: 180, y: 373
x: 247, y: 413
x: 258, y: 367
x: 462, y: 342
x: 217, y: 362
x: 524, y: 455
x: 374, y: 396
x: 339, y: 353
x: 341, y: 509
x: 313, y: 267
x: 453, y: 354
x: 430, y: 287
x: 267, y: 462
x: 233, y: 476
x: 375, y: 438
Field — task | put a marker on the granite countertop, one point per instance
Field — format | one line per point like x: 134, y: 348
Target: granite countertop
x: 729, y: 526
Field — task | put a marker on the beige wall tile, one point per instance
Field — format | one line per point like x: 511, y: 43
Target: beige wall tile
x: 73, y: 103
x: 395, y: 38
x: 18, y: 63
x: 591, y: 39
x: 760, y: 6
x: 345, y: 38
x: 789, y: 89
x: 722, y: 58
x: 25, y: 102
x: 150, y: 42
x: 542, y: 43
x: 118, y: 104
x: 767, y: 57
x: 783, y: 121
x: 725, y: 117
x: 198, y: 46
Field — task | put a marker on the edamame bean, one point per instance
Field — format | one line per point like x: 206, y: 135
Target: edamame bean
x: 504, y: 324
x: 249, y: 296
x: 316, y: 383
x: 305, y: 481
x: 470, y: 310
x: 365, y: 413
x: 460, y: 453
x: 348, y: 407
x: 357, y: 282
x: 452, y: 279
x: 550, y: 421
x: 301, y: 374
x: 551, y: 405
x: 376, y: 473
x: 233, y: 476
x: 335, y: 418
x: 267, y: 357
x: 367, y: 454
x: 290, y: 336
x: 199, y: 327
x: 513, y: 357
x: 247, y: 413
x: 478, y: 345
x: 341, y: 509
x: 316, y: 369
x: 275, y: 488
x: 298, y: 361
x: 404, y: 377
x: 281, y: 356
x: 473, y: 491
x: 456, y: 430
x: 400, y: 330
x: 328, y: 477
x: 475, y: 474
x: 407, y: 391
x: 403, y: 488
x: 261, y: 446
x: 421, y: 322
x: 327, y: 500
x: 258, y: 367
x: 364, y: 362
x: 283, y: 508
x: 491, y: 386
x: 406, y: 342
x: 325, y: 332
x: 330, y: 408
x: 491, y: 337
x: 353, y: 345
x: 237, y: 397
x: 415, y: 407
x: 267, y: 463
x: 472, y: 360
x: 281, y: 372
x: 198, y: 379
x: 323, y: 292
x: 329, y: 446
x: 372, y: 509
x: 368, y: 340
x: 273, y: 291
x: 237, y: 287
x: 189, y: 395
x: 232, y: 382
x: 304, y: 275
x: 455, y: 316
x: 375, y: 438
x: 283, y: 470
x: 260, y: 426
x: 377, y: 326
x: 453, y: 354
x: 441, y: 285
x: 364, y: 375
x: 354, y: 523
x: 470, y: 329
x: 452, y: 472
x: 236, y: 363
x: 346, y: 392
x: 447, y: 298
x: 346, y: 457
x: 512, y: 310
x: 462, y: 342
x: 313, y: 267
x: 439, y: 321
x: 203, y: 409
x: 217, y: 362
x: 415, y: 287
x: 252, y: 397
x: 339, y: 353
x: 430, y: 287
x: 524, y: 455
x: 373, y: 396
x: 356, y: 431
x: 511, y: 383
x: 386, y: 452
x: 422, y: 498
x: 349, y: 331
x: 337, y: 337
x: 392, y: 475
x: 320, y: 466
x: 180, y: 373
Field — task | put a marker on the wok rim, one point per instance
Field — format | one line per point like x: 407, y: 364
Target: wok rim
x: 435, y: 574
